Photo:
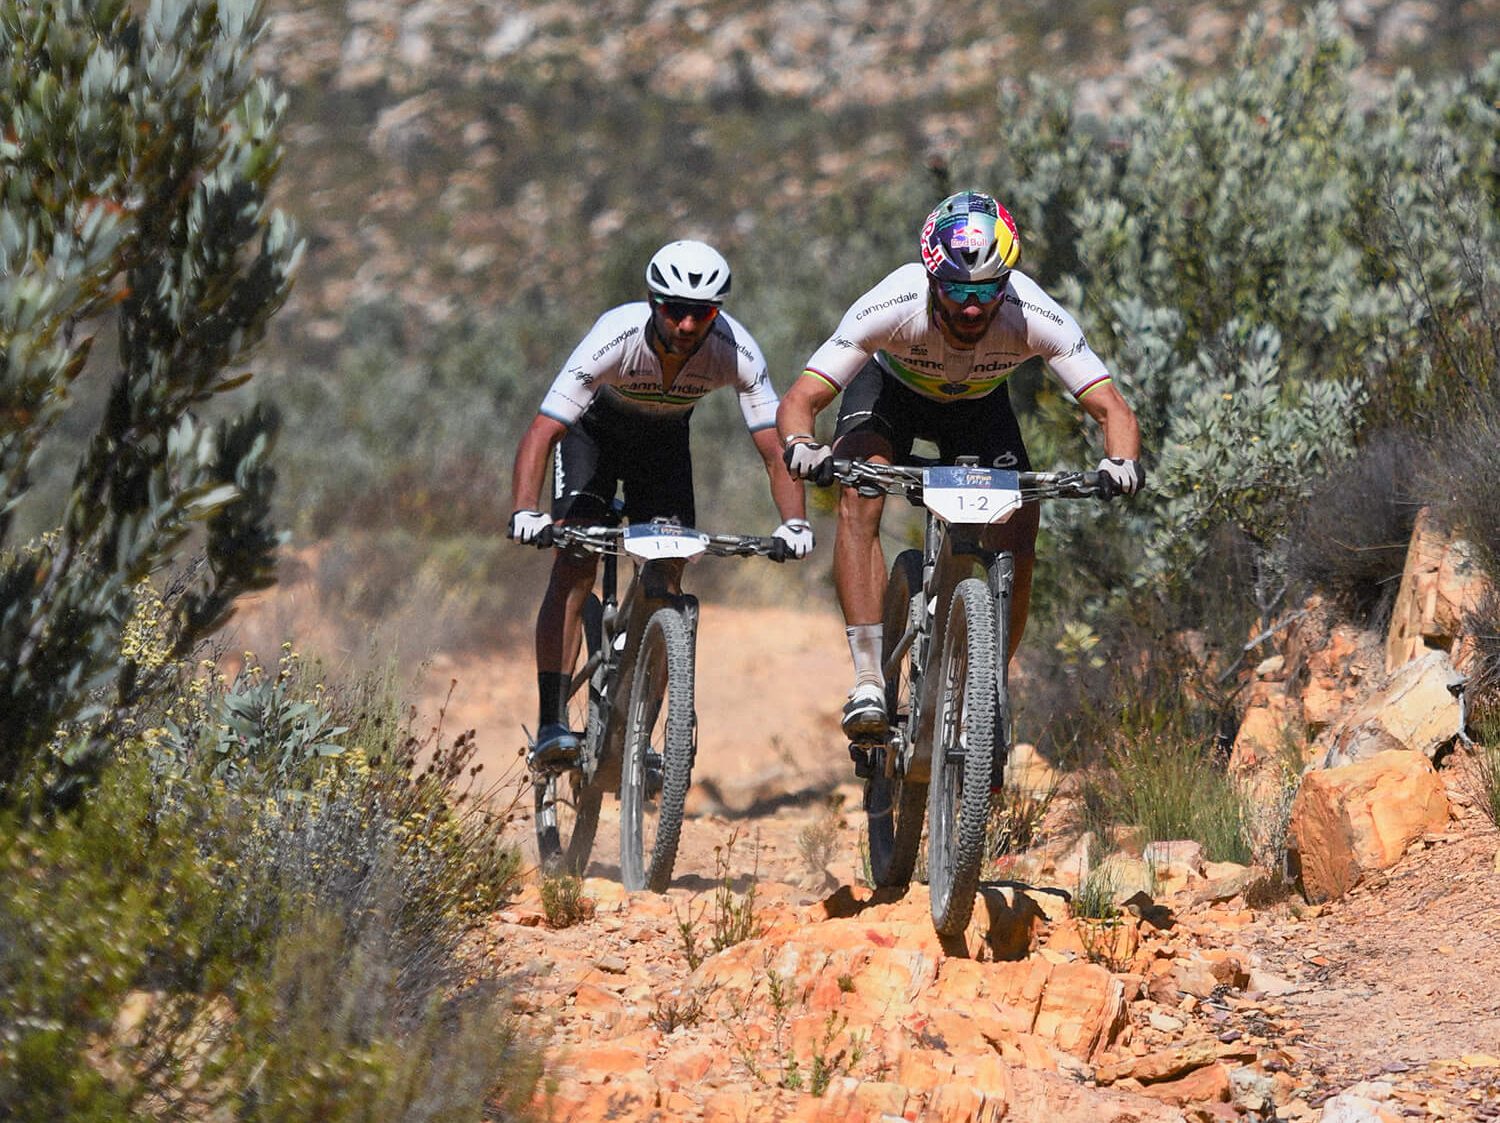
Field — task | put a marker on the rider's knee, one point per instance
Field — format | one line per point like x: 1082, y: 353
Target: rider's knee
x: 859, y: 515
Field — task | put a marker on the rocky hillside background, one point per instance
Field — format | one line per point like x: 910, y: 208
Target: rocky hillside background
x: 445, y: 158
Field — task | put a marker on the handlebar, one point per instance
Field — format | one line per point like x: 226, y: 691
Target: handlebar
x: 746, y: 546
x: 871, y: 479
x: 606, y: 540
x: 590, y: 539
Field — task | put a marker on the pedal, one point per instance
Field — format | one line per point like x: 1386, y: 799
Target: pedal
x: 868, y: 758
x: 864, y: 766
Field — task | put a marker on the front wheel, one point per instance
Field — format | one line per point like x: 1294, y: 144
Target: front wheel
x: 894, y: 805
x: 962, y: 752
x: 658, y: 760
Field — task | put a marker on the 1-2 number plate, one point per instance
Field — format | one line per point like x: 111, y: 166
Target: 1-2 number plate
x: 972, y: 495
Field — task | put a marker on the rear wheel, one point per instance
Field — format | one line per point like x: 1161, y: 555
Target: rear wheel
x: 567, y: 803
x: 658, y: 754
x: 963, y: 750
x: 894, y: 806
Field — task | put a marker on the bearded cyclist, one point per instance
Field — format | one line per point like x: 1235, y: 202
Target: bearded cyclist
x: 925, y: 354
x: 620, y: 409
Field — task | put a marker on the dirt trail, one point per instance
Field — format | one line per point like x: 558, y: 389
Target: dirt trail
x: 769, y: 686
x: 1397, y: 983
x: 1397, y: 986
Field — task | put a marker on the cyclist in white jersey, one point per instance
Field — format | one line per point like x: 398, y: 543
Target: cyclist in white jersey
x: 620, y: 408
x: 925, y: 354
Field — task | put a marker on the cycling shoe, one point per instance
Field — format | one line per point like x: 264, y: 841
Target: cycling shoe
x: 556, y: 746
x: 864, y: 713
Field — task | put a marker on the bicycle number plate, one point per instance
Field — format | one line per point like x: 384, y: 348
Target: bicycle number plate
x: 654, y: 541
x: 971, y: 495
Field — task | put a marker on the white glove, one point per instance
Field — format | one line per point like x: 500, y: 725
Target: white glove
x: 1127, y: 474
x: 804, y: 458
x: 526, y: 525
x: 798, y: 536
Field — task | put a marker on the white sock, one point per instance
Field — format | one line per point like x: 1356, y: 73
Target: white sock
x: 864, y: 648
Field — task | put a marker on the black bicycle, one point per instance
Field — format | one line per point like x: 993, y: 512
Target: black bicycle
x: 639, y: 725
x: 945, y: 642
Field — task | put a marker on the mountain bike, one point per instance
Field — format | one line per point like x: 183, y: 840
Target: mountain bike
x: 945, y: 644
x: 634, y: 694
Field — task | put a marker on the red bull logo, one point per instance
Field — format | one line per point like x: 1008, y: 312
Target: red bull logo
x: 971, y: 238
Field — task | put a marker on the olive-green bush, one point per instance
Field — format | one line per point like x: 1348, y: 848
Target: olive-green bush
x: 138, y: 153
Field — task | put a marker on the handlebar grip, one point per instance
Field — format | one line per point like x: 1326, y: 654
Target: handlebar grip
x: 1102, y: 483
x: 826, y: 473
x: 778, y: 551
x: 545, y: 538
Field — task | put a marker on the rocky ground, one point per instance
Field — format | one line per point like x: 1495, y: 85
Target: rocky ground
x: 1384, y: 1004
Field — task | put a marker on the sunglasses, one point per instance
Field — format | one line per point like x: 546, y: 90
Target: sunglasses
x: 985, y: 292
x: 682, y: 309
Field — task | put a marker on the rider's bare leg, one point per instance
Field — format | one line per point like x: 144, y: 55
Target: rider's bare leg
x: 558, y: 634
x: 858, y: 560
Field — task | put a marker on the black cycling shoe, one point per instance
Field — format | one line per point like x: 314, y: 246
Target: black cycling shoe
x: 556, y: 747
x: 864, y: 713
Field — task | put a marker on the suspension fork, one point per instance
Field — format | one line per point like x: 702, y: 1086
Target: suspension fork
x: 1000, y: 575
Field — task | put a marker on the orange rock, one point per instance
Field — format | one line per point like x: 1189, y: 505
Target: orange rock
x: 1209, y: 1084
x: 1440, y: 583
x: 876, y: 1098
x: 1082, y: 1009
x: 729, y: 1105
x: 915, y: 1071
x: 1361, y: 817
x: 959, y: 1103
x: 599, y: 1003
x: 684, y: 1066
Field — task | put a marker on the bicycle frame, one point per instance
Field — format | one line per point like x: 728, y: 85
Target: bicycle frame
x: 949, y: 553
x: 950, y: 550
x: 607, y: 669
x: 639, y: 671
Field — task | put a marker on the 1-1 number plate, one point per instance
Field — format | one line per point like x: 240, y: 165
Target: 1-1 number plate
x: 972, y: 495
x: 654, y: 541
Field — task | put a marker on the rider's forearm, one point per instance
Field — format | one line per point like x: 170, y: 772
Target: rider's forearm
x: 531, y: 462
x: 786, y: 492
x: 800, y: 407
x: 1122, y: 436
x: 1122, y: 433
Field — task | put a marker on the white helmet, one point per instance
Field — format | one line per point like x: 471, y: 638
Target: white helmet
x: 688, y: 270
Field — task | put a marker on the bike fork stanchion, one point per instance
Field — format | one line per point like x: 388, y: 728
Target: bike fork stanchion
x: 1002, y: 582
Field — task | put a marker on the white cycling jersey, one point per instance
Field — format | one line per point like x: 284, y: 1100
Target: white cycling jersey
x: 894, y: 323
x: 615, y: 360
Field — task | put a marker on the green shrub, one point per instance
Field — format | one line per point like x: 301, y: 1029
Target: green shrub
x: 1350, y: 538
x: 1461, y: 478
x: 1163, y: 770
x: 96, y: 906
x: 138, y: 158
x: 1171, y: 789
x: 564, y: 902
x: 1484, y: 771
x: 243, y: 922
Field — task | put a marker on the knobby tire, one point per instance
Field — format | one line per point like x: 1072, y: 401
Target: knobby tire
x: 567, y: 806
x: 659, y: 719
x: 894, y: 806
x: 965, y: 726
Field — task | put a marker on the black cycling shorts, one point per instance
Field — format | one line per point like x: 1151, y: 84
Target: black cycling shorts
x: 609, y: 447
x: 877, y: 403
